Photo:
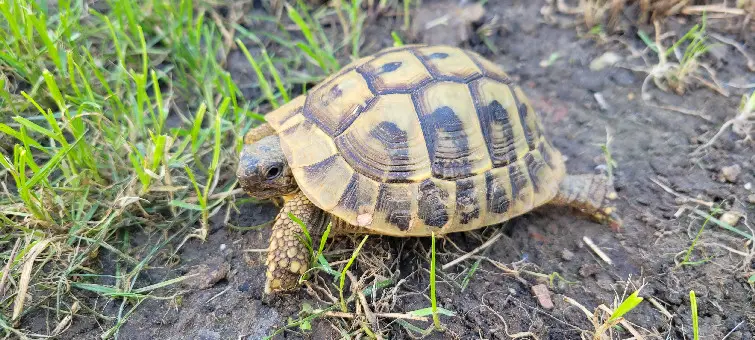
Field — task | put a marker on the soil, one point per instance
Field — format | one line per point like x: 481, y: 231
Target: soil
x: 648, y: 144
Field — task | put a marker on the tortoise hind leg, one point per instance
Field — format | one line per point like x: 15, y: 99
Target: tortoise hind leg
x: 288, y: 257
x: 591, y: 194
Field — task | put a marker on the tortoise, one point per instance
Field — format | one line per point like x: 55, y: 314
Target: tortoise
x: 416, y: 140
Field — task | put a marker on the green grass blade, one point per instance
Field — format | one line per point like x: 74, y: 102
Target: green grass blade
x: 693, y: 306
x: 346, y: 268
x: 627, y: 305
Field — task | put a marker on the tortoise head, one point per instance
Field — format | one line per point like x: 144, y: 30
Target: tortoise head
x: 263, y: 171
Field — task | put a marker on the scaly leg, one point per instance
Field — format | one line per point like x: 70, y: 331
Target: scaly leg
x: 288, y: 257
x: 591, y: 194
x: 258, y: 132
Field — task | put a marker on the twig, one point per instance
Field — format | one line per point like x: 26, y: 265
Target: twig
x: 380, y: 315
x: 660, y: 307
x: 487, y: 243
x: 597, y: 250
x: 732, y: 330
x: 6, y: 271
x: 579, y: 305
x: 680, y: 110
x: 219, y: 294
x: 357, y: 289
x: 684, y: 198
x: 624, y: 323
x: 718, y: 8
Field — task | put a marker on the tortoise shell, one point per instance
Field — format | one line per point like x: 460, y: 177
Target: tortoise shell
x: 416, y: 139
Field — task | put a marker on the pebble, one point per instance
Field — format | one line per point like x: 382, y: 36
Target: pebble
x: 751, y: 198
x: 589, y: 269
x: 589, y: 80
x: 730, y: 173
x: 731, y: 217
x: 206, y: 275
x: 748, y: 186
x: 605, y: 60
x: 445, y: 23
x: 543, y: 295
x: 567, y: 255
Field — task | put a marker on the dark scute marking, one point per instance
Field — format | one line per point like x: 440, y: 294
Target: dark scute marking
x: 496, y: 197
x: 546, y: 155
x: 517, y: 181
x: 432, y: 209
x: 396, y: 204
x: 395, y: 142
x: 389, y: 133
x: 533, y: 168
x: 523, y: 113
x: 390, y: 67
x: 335, y: 92
x: 349, y: 198
x: 368, y: 78
x: 315, y: 172
x: 466, y: 201
x: 446, y: 165
x: 493, y: 118
x: 438, y: 55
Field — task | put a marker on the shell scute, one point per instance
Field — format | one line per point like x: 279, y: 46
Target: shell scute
x: 449, y: 63
x: 395, y: 72
x: 386, y: 141
x: 335, y: 105
x: 452, y: 131
x: 501, y: 124
x: 323, y: 182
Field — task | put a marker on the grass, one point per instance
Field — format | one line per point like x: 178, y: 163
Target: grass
x: 693, y: 308
x: 123, y: 121
x: 669, y: 75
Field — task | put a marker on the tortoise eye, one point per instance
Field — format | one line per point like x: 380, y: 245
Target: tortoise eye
x: 273, y: 172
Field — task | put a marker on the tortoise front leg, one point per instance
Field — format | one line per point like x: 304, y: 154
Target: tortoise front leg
x: 258, y: 132
x: 591, y: 194
x: 288, y: 257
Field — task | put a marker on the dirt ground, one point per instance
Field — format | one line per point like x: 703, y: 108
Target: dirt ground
x: 648, y: 144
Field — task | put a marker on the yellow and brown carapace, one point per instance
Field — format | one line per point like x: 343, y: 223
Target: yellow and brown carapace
x: 416, y: 140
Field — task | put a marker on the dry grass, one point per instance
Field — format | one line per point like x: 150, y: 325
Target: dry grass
x: 607, y: 13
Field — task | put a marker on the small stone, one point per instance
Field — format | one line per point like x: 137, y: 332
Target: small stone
x: 445, y: 23
x: 543, y: 295
x: 589, y: 269
x: 593, y: 81
x: 748, y: 186
x: 206, y: 275
x: 244, y: 287
x: 731, y: 217
x: 730, y: 173
x: 605, y: 60
x: 567, y: 255
x: 512, y: 291
x: 751, y: 198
